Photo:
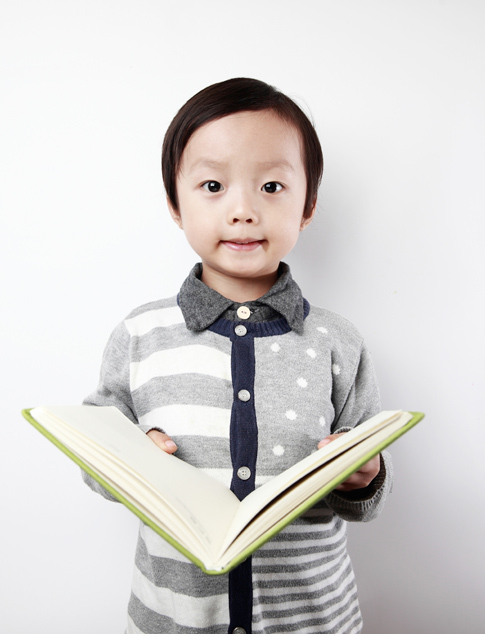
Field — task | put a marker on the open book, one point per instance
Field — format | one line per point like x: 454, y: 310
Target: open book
x: 197, y: 514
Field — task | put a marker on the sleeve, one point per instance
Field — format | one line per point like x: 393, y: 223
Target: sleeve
x: 354, y: 406
x: 113, y: 387
x: 114, y: 380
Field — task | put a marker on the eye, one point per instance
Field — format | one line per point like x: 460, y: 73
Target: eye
x: 272, y: 188
x: 212, y: 186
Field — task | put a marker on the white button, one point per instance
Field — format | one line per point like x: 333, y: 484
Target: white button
x: 238, y: 630
x: 240, y: 330
x: 243, y: 395
x: 244, y: 473
x: 243, y: 312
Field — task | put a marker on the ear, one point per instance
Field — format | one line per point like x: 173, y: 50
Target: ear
x: 305, y: 221
x: 175, y: 214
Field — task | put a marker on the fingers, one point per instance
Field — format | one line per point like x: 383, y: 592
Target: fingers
x: 361, y: 478
x: 328, y: 440
x: 162, y: 440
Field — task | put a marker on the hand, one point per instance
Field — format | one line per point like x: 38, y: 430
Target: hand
x: 361, y: 478
x: 162, y: 440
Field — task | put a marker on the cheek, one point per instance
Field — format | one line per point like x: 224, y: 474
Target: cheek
x: 199, y: 229
x: 291, y: 241
x: 290, y: 232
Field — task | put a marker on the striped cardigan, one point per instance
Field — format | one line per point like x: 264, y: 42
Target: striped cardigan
x: 301, y: 388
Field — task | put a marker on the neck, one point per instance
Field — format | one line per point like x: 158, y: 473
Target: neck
x: 237, y: 289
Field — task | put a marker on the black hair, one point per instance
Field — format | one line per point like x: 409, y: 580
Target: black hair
x: 226, y: 98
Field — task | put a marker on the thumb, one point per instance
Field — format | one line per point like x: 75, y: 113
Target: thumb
x: 328, y: 440
x: 162, y: 440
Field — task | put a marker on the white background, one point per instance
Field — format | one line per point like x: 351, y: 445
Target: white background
x: 397, y: 93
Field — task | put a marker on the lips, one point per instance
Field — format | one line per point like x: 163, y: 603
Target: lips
x: 242, y: 245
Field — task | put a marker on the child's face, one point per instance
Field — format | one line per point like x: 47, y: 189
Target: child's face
x: 241, y: 189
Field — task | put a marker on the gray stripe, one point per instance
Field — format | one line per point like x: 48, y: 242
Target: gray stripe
x: 203, y: 453
x: 183, y: 389
x: 147, y: 620
x: 289, y: 536
x: 180, y: 577
x: 310, y: 609
x: 302, y: 546
x: 348, y: 623
x: 277, y: 568
x: 315, y: 579
x: 320, y: 514
x: 300, y: 552
x: 321, y: 591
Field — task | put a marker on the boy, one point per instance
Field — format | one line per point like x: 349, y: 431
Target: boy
x: 241, y: 376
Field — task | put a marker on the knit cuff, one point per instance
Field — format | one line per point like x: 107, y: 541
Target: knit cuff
x: 368, y: 492
x: 363, y: 505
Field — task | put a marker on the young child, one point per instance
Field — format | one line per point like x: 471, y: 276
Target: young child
x: 242, y: 376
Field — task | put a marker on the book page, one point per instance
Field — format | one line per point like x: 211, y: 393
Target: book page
x: 206, y: 506
x: 147, y: 499
x: 263, y: 496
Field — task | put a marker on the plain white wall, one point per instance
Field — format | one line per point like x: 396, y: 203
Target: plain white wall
x: 396, y: 90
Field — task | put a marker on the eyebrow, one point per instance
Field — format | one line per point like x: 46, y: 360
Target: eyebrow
x: 207, y: 162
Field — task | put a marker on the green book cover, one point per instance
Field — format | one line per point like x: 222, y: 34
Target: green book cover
x: 292, y: 513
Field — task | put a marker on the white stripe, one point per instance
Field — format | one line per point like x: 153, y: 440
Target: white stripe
x: 190, y: 420
x: 158, y: 318
x: 158, y: 547
x: 223, y: 475
x: 194, y: 359
x: 188, y: 611
x: 260, y: 480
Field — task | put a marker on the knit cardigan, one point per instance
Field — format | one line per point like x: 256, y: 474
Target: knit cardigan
x: 298, y: 388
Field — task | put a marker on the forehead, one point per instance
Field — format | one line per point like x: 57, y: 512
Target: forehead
x: 260, y: 137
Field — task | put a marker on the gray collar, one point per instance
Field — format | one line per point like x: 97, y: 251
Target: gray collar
x: 202, y: 306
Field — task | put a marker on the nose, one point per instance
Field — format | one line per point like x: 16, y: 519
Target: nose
x: 243, y: 209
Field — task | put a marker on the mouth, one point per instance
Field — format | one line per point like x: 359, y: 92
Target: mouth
x: 242, y: 245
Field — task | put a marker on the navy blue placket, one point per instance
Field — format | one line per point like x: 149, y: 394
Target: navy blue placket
x: 244, y: 444
x: 244, y: 449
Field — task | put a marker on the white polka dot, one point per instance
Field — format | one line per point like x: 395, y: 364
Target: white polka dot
x: 323, y: 330
x: 311, y: 353
x: 335, y: 369
x: 278, y: 450
x: 302, y: 382
x: 275, y: 347
x: 322, y: 421
x: 291, y: 414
